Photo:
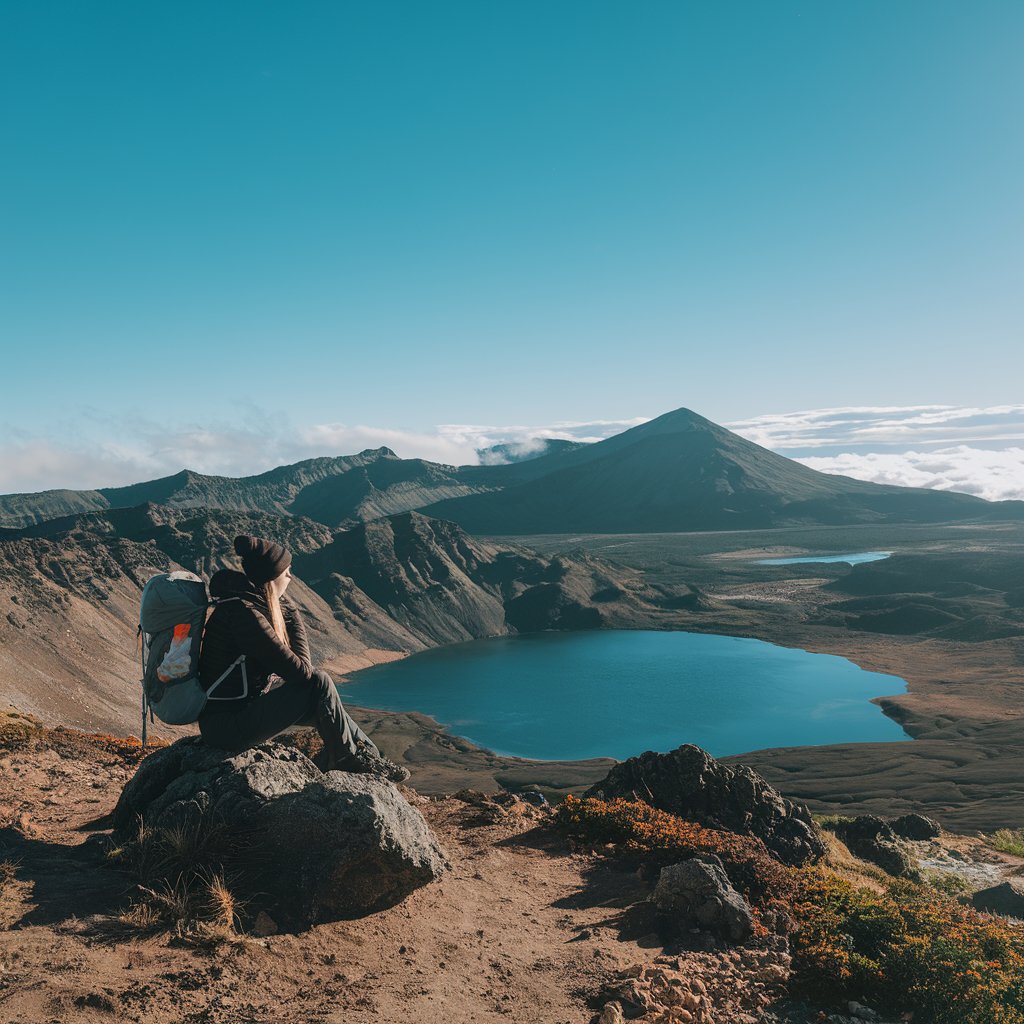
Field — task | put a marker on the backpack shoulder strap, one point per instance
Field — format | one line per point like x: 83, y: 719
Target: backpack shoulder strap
x: 240, y: 660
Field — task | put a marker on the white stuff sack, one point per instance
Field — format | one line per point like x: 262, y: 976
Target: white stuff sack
x: 177, y: 662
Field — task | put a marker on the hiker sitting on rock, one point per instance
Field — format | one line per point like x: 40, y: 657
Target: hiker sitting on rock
x: 275, y: 686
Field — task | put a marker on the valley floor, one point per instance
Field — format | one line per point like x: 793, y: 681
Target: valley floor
x: 963, y: 704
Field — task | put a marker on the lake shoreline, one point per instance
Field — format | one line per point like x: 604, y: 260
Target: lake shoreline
x: 624, y: 690
x: 961, y: 708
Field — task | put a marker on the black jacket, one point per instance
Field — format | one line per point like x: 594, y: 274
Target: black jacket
x: 243, y: 626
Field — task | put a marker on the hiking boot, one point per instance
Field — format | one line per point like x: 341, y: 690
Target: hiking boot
x: 377, y: 764
x: 372, y: 762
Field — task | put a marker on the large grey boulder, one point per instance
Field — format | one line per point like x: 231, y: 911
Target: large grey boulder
x: 698, y: 892
x: 873, y: 839
x: 689, y: 782
x: 310, y: 847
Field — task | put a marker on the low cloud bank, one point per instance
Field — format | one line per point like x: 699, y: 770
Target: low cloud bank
x: 859, y: 427
x: 949, y: 448
x: 975, y: 450
x: 995, y: 475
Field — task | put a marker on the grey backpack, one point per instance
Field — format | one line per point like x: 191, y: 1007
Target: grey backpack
x: 171, y: 621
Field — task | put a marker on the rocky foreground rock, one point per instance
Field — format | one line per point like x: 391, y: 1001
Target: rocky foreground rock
x: 698, y: 893
x: 1006, y: 898
x: 874, y: 839
x: 689, y: 782
x: 312, y: 847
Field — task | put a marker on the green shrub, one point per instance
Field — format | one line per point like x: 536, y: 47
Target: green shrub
x: 1007, y: 840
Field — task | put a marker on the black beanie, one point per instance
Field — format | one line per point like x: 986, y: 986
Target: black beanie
x: 262, y: 560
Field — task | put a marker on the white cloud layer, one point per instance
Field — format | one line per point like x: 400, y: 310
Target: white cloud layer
x: 888, y: 426
x: 975, y: 450
x: 952, y: 448
x: 996, y: 475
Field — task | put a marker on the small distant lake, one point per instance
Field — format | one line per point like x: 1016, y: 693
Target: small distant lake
x: 863, y: 556
x: 616, y: 693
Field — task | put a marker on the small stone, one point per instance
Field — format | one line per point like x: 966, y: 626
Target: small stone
x: 872, y: 838
x: 1006, y: 899
x: 611, y: 1014
x: 264, y: 925
x: 862, y: 1012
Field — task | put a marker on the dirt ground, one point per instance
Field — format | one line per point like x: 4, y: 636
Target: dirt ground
x: 525, y: 927
x: 522, y: 929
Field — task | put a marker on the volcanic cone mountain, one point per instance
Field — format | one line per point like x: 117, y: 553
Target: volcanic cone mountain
x: 683, y: 472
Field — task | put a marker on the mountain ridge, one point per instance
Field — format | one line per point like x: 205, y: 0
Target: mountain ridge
x: 380, y: 590
x: 678, y: 471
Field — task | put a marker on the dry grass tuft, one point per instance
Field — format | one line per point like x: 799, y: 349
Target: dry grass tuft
x: 181, y: 885
x: 12, y: 895
x: 1007, y: 840
x: 945, y: 882
x: 8, y: 873
x: 844, y: 864
x: 221, y: 903
x: 307, y: 741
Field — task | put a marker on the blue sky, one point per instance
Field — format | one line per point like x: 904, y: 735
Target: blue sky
x: 268, y: 222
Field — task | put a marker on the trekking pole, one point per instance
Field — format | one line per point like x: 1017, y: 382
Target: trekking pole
x: 142, y: 654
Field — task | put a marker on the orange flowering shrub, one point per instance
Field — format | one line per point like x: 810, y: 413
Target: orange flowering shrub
x: 908, y: 948
x: 128, y: 748
x: 19, y: 731
x: 662, y: 838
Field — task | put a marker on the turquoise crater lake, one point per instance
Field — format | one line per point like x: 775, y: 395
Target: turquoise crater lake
x: 615, y: 693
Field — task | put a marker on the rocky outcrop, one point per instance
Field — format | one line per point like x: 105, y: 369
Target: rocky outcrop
x: 312, y: 847
x: 423, y: 572
x: 689, y: 782
x: 442, y: 586
x: 1006, y: 899
x: 873, y: 838
x: 915, y: 826
x: 697, y: 893
x: 549, y: 606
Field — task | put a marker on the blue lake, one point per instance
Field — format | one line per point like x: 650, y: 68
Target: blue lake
x: 616, y: 693
x: 863, y: 556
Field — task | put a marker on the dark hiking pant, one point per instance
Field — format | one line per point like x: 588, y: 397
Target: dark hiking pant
x: 239, y: 726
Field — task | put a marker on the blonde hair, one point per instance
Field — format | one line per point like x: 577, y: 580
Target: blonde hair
x: 276, y: 615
